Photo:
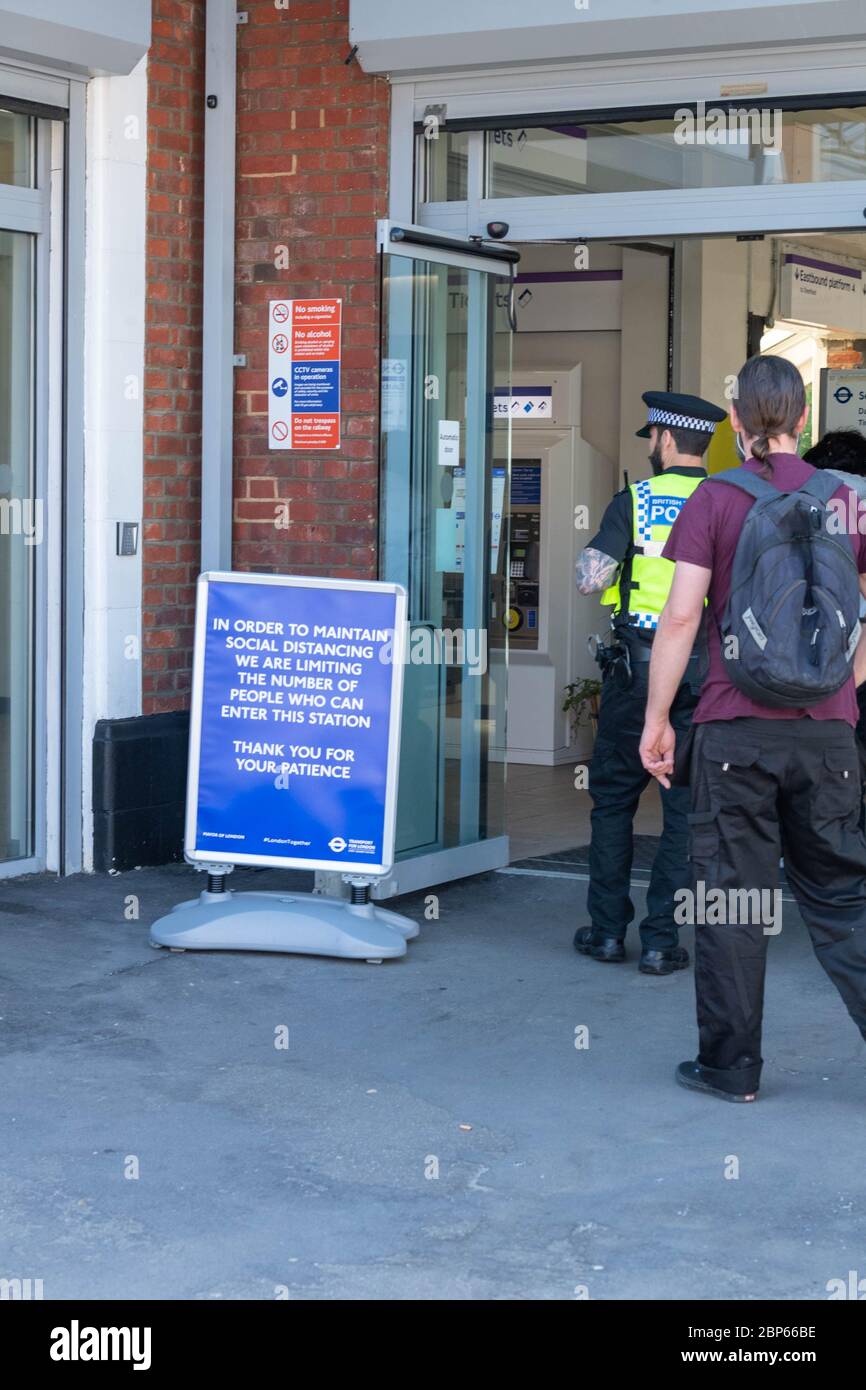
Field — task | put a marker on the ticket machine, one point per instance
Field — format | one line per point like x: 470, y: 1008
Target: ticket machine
x: 518, y: 578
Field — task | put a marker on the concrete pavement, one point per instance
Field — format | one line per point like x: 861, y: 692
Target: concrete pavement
x: 311, y: 1171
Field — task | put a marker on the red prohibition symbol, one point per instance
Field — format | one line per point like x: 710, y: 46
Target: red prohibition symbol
x: 280, y: 430
x: 281, y: 343
x: 281, y: 313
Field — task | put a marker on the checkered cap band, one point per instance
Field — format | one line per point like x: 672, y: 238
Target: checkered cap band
x: 680, y: 422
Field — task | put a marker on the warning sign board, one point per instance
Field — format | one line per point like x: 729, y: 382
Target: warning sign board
x: 304, y: 373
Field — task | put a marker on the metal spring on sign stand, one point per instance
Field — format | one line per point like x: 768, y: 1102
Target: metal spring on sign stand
x: 359, y: 893
x: 216, y: 883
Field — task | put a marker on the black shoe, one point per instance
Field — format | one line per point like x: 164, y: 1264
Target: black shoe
x: 599, y: 947
x: 663, y: 962
x: 691, y: 1075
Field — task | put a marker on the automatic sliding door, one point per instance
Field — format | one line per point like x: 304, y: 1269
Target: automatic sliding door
x: 446, y: 348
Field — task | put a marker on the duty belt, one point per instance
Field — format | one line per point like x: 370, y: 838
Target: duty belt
x: 642, y: 651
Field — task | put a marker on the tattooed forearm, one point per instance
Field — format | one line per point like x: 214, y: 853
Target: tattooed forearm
x: 594, y: 570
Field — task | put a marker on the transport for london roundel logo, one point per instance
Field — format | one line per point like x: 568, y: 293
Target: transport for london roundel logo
x: 337, y: 844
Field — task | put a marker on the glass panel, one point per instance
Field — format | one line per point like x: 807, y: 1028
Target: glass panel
x: 444, y: 475
x: 446, y: 166
x: 20, y: 533
x: 17, y: 163
x: 748, y: 147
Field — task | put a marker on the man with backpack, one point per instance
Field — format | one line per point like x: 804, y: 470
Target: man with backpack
x: 776, y: 548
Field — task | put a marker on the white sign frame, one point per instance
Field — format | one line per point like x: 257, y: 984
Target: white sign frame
x: 362, y: 869
x: 834, y: 415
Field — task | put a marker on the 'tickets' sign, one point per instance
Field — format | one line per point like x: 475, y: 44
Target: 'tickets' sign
x: 295, y: 725
x: 304, y: 373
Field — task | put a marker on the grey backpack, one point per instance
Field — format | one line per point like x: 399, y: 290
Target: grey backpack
x: 794, y: 605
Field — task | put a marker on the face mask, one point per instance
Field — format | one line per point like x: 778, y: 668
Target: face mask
x: 739, y: 446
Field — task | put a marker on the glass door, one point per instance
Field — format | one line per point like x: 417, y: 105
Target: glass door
x: 445, y: 458
x: 20, y: 528
x: 24, y: 171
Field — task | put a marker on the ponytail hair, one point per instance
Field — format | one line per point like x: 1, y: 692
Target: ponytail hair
x: 770, y: 401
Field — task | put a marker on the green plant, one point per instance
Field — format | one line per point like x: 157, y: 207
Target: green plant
x: 581, y: 700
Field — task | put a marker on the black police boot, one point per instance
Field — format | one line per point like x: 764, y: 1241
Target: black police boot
x: 693, y: 1077
x: 608, y: 948
x: 663, y: 962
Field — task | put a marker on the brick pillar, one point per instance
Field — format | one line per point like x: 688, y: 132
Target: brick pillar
x: 844, y: 356
x: 312, y: 179
x: 312, y: 160
x: 172, y: 383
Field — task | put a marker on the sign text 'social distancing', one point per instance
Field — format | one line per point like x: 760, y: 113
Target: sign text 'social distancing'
x: 295, y: 730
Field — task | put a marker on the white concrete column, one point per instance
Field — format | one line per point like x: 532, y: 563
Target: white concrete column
x: 114, y: 381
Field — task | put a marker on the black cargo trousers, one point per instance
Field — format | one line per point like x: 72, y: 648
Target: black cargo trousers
x: 617, y: 780
x: 761, y: 787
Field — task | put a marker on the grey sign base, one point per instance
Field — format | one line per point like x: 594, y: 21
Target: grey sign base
x: 297, y: 923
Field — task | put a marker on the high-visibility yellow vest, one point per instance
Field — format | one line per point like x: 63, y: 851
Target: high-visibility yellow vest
x: 645, y: 576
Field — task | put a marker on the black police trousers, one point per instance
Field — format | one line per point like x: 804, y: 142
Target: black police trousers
x: 616, y: 781
x: 761, y: 788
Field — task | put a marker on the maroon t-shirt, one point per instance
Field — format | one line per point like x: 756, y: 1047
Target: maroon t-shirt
x: 706, y: 533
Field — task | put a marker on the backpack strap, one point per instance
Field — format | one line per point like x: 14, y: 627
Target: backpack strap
x: 821, y: 485
x: 743, y: 478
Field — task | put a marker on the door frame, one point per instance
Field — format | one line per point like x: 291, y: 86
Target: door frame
x: 624, y: 89
x: 419, y: 243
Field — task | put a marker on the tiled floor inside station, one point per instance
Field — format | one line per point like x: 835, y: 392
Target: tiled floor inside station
x: 545, y: 812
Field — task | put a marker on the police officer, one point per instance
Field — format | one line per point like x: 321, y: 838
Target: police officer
x: 623, y: 562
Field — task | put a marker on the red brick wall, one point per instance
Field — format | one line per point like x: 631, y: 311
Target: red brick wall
x: 843, y: 355
x: 312, y: 178
x: 172, y: 380
x: 312, y: 159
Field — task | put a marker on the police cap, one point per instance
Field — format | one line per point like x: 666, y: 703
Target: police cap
x: 673, y: 410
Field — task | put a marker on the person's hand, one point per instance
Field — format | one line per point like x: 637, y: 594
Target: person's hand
x: 657, y: 746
